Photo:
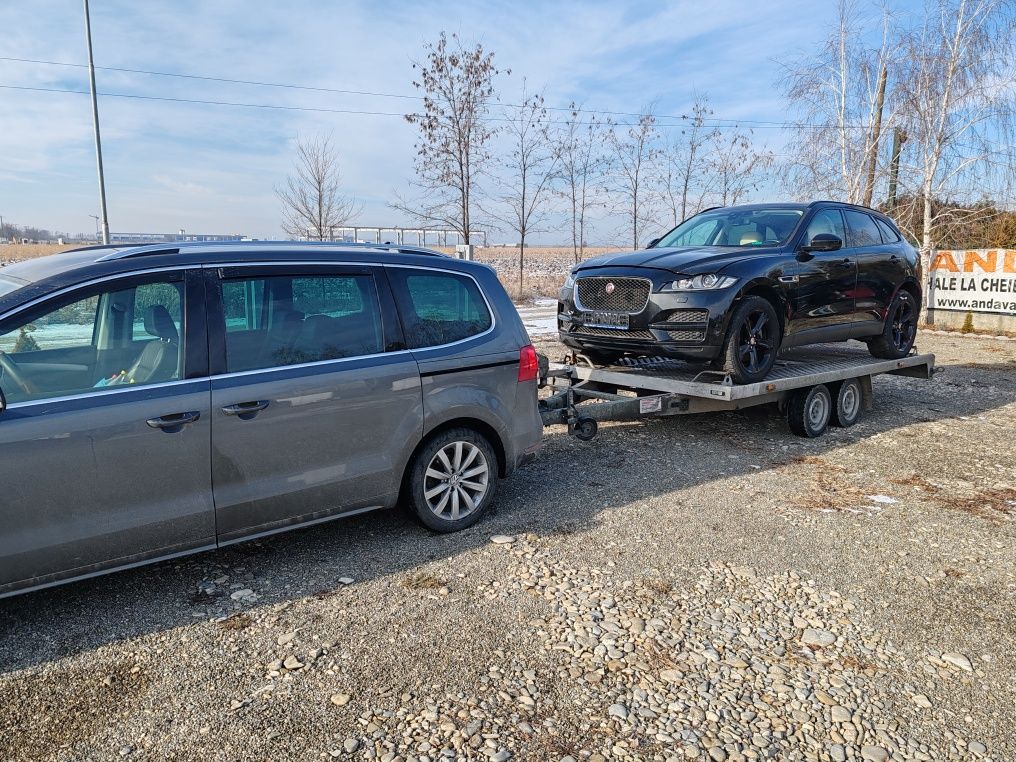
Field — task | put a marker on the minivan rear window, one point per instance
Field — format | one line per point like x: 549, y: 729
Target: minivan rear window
x: 438, y: 307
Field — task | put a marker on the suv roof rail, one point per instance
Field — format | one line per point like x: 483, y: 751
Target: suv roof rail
x: 122, y: 251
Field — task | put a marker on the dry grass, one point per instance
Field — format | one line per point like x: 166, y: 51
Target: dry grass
x: 423, y: 581
x: 994, y: 505
x: 827, y: 489
x: 236, y: 622
x: 13, y: 252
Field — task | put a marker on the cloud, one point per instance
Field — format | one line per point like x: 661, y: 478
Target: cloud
x: 214, y: 168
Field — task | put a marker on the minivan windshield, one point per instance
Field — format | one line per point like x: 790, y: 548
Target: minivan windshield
x: 771, y: 226
x: 7, y: 285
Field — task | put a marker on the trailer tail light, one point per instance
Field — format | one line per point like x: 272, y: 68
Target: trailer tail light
x: 529, y: 364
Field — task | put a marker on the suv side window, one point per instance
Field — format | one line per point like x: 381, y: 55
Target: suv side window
x: 862, y: 230
x: 438, y: 307
x: 888, y: 234
x: 827, y: 221
x: 276, y: 321
x: 73, y: 345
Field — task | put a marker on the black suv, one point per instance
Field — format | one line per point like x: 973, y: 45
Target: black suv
x: 734, y: 285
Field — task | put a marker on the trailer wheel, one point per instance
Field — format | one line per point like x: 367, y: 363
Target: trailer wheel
x: 585, y: 429
x: 848, y: 404
x: 808, y: 411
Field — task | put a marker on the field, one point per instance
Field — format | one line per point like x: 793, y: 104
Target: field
x: 545, y: 266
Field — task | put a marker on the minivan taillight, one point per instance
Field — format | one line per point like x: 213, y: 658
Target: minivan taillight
x: 529, y: 364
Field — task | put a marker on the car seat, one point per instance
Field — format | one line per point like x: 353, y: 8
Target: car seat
x: 160, y: 359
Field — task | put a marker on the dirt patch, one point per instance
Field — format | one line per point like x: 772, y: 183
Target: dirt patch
x: 70, y: 706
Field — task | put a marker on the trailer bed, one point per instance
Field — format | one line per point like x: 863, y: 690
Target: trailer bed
x: 633, y: 388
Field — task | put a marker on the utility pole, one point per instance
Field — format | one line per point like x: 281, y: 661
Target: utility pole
x: 95, y: 124
x: 876, y: 131
x: 899, y: 138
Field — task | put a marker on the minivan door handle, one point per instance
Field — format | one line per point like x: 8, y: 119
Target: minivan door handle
x: 174, y: 421
x: 245, y: 408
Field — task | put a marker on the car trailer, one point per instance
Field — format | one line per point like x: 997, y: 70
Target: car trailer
x: 815, y: 386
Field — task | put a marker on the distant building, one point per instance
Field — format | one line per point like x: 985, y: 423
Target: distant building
x: 173, y: 237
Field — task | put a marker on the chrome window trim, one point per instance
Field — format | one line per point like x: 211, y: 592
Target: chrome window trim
x: 104, y: 392
x: 259, y: 263
x: 93, y: 282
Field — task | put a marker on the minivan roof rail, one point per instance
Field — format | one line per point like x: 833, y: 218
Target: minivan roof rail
x: 124, y: 252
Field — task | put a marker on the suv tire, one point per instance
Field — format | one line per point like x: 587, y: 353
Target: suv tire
x: 899, y: 331
x: 752, y: 341
x: 452, y: 480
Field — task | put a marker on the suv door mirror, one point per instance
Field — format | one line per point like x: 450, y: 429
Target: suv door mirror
x: 652, y: 243
x: 3, y: 401
x: 824, y: 242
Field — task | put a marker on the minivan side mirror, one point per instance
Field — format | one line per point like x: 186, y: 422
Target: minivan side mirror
x: 652, y: 243
x: 824, y: 242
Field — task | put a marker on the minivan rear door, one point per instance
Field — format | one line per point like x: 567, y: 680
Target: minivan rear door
x: 314, y: 400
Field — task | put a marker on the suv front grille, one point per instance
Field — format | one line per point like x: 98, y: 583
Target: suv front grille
x: 686, y: 335
x: 625, y: 294
x: 614, y: 333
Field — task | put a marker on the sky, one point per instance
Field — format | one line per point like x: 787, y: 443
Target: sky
x: 213, y: 169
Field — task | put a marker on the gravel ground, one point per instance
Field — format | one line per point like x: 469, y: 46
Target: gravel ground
x: 706, y: 588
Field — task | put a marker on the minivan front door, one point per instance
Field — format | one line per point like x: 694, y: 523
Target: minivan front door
x: 312, y: 417
x: 104, y: 442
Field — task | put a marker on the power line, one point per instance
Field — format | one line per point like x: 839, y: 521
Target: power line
x: 321, y: 109
x: 681, y: 118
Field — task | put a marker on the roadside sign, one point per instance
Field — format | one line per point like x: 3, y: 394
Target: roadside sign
x: 977, y: 280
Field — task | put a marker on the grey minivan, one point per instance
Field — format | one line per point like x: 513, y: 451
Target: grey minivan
x: 166, y: 399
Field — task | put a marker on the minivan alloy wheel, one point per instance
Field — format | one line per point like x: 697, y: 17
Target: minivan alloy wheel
x: 456, y: 480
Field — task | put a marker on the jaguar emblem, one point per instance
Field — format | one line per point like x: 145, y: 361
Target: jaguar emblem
x: 609, y: 288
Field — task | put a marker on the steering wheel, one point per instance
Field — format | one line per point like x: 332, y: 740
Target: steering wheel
x: 13, y: 372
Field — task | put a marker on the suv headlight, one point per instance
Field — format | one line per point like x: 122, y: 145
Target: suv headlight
x: 569, y: 281
x: 707, y: 282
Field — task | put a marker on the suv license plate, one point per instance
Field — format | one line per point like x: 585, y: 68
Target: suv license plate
x: 606, y: 320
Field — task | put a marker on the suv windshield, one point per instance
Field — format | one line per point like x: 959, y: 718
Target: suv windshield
x: 735, y: 227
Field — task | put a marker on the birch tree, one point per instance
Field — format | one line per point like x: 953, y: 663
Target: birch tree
x: 841, y: 99
x: 452, y: 151
x: 735, y: 165
x: 312, y: 201
x: 958, y: 87
x: 579, y: 147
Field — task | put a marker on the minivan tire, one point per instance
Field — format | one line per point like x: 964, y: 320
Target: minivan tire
x: 900, y: 329
x: 447, y: 510
x: 754, y: 318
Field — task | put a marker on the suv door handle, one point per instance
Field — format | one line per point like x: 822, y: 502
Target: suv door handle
x: 245, y: 408
x: 845, y: 263
x: 894, y: 258
x: 173, y: 421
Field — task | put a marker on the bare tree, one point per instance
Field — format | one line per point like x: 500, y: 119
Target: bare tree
x: 958, y: 86
x: 529, y: 169
x: 736, y: 165
x: 312, y: 203
x: 685, y: 179
x: 451, y: 154
x: 844, y: 108
x: 579, y: 146
x: 634, y: 153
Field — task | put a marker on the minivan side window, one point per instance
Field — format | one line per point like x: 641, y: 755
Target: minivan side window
x: 115, y: 338
x: 288, y: 320
x: 861, y: 230
x: 438, y: 307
